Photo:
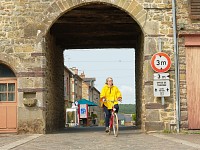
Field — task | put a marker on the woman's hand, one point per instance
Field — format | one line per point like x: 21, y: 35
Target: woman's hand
x: 103, y: 99
x: 119, y: 99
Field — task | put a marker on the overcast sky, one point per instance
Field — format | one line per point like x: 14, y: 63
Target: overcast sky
x: 102, y: 63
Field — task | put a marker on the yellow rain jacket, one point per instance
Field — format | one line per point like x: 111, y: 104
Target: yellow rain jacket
x: 109, y: 93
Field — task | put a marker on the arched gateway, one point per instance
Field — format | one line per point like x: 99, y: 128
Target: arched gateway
x: 71, y: 24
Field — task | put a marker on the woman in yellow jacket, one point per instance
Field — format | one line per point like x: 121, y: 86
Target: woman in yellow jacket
x: 109, y: 93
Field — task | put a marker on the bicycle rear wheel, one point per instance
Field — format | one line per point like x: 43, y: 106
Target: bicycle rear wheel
x: 115, y: 125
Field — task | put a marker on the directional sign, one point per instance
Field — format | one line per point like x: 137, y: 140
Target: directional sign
x: 161, y: 88
x: 160, y: 62
x: 158, y: 76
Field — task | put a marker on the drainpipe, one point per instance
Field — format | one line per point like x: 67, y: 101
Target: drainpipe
x: 176, y: 60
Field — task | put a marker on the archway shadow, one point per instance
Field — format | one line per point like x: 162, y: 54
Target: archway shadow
x: 94, y: 129
x: 92, y: 26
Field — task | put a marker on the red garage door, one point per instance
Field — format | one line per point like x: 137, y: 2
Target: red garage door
x: 193, y: 86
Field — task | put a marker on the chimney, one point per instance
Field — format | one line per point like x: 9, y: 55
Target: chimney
x: 75, y: 70
x: 82, y: 75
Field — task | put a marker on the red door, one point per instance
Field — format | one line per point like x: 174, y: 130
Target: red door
x: 193, y: 86
x: 8, y: 105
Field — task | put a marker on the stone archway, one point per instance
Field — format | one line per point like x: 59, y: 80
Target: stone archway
x: 43, y: 48
x: 55, y: 46
x: 9, y: 61
x: 58, y: 8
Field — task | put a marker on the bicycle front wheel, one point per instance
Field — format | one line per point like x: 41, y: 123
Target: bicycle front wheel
x: 115, y: 125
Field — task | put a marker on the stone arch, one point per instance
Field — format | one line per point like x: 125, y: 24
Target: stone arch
x: 58, y: 8
x: 51, y: 15
x: 9, y: 62
x: 6, y: 71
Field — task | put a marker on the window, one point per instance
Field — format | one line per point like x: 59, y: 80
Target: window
x: 67, y: 85
x: 195, y: 9
x: 6, y: 71
x: 7, y: 92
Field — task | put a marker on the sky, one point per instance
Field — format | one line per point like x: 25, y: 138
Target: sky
x: 102, y: 63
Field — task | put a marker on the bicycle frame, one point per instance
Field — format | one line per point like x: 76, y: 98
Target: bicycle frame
x: 111, y: 118
x: 113, y: 123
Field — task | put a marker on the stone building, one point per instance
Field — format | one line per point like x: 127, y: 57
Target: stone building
x: 95, y: 94
x: 90, y: 93
x: 85, y: 91
x: 76, y: 85
x: 34, y: 34
x: 68, y: 75
x: 85, y: 88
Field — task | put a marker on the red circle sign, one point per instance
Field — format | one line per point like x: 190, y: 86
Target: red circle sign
x: 160, y: 62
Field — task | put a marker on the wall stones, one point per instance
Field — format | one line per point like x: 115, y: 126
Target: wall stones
x: 154, y: 126
x: 54, y: 84
x: 27, y: 48
x: 149, y: 97
x: 152, y: 115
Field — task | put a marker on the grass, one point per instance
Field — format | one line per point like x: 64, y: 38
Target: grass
x: 191, y: 132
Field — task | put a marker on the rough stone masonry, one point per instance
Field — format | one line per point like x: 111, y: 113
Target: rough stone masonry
x: 30, y: 50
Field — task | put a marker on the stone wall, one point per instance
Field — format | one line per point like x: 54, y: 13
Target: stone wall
x: 23, y: 53
x: 67, y: 87
x: 24, y: 26
x: 185, y: 25
x: 158, y: 27
x: 140, y: 113
x: 54, y: 84
x: 85, y: 91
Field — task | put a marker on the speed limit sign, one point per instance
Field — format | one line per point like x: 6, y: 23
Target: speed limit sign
x: 160, y: 62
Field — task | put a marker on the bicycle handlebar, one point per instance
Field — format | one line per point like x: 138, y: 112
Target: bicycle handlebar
x: 111, y: 101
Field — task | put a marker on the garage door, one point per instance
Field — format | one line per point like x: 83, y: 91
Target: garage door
x: 193, y: 86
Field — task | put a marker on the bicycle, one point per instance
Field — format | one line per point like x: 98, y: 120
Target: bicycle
x: 114, y: 122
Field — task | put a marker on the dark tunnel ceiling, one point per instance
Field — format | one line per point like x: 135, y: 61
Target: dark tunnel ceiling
x: 96, y: 26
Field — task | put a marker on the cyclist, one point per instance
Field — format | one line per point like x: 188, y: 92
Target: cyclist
x: 109, y: 92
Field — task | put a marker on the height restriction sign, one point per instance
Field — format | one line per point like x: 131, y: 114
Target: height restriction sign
x: 160, y: 62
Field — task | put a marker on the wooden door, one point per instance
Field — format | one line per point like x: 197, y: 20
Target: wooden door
x: 8, y: 105
x: 193, y: 86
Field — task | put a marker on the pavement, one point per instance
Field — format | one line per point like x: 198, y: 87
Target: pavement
x: 94, y: 138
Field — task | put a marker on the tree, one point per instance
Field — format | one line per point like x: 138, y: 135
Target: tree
x: 127, y: 108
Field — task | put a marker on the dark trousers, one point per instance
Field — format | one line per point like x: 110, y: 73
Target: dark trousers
x: 108, y: 113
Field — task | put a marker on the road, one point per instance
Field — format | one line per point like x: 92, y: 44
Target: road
x: 94, y: 138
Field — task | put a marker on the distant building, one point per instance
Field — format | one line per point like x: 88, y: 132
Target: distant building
x: 72, y: 86
x: 90, y: 93
x: 67, y: 87
x: 76, y: 88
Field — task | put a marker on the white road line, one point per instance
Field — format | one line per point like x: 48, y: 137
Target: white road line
x: 19, y: 142
x: 177, y: 140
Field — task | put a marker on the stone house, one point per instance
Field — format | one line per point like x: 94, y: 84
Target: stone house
x: 97, y: 110
x: 68, y: 74
x: 85, y: 89
x: 76, y: 85
x: 34, y: 34
x: 72, y: 86
x: 90, y: 93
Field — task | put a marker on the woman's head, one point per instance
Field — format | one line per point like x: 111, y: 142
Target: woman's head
x: 109, y: 81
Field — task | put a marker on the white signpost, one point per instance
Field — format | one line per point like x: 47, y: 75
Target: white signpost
x: 161, y: 63
x: 161, y: 88
x: 161, y: 76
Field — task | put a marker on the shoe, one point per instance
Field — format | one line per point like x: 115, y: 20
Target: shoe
x: 107, y: 129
